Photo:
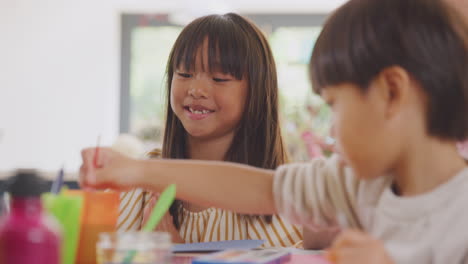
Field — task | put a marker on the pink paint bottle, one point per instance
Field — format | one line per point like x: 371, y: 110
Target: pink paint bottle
x: 27, y: 234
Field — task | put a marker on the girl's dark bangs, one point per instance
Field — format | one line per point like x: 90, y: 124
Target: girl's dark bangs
x: 225, y: 46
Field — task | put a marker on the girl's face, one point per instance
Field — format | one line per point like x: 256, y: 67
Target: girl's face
x: 209, y: 105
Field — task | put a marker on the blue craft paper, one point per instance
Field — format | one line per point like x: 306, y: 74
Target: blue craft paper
x: 218, y: 246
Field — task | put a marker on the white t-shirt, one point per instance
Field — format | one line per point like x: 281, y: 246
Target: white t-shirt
x: 429, y: 228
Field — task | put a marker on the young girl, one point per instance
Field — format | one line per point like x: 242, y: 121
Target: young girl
x: 395, y: 74
x: 222, y: 105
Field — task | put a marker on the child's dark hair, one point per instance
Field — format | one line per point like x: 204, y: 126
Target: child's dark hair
x: 239, y: 48
x: 427, y: 38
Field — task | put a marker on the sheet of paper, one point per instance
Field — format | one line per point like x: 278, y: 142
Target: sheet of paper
x: 218, y: 246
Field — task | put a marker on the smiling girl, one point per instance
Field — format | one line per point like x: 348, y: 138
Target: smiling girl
x: 222, y: 105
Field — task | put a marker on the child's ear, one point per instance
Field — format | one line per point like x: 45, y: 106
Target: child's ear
x: 395, y: 86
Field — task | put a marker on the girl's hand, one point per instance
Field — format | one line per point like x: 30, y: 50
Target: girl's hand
x: 356, y: 247
x: 109, y: 169
x: 320, y: 238
x: 166, y: 224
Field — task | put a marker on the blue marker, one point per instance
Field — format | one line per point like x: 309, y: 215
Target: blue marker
x: 58, y: 182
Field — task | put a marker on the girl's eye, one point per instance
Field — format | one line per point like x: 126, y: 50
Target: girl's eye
x: 220, y: 80
x: 184, y: 75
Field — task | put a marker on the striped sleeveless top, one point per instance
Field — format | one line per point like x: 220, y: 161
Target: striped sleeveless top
x: 212, y: 224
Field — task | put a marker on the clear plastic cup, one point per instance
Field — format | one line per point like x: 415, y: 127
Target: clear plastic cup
x: 145, y: 247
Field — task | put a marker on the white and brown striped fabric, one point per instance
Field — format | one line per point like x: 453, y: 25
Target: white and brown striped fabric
x: 132, y: 204
x: 213, y: 224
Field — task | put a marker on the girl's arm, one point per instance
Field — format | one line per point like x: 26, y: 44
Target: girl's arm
x: 230, y: 186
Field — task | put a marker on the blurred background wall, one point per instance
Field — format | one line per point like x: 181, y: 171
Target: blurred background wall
x: 60, y: 70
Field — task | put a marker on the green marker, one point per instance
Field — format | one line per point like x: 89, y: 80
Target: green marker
x: 160, y: 209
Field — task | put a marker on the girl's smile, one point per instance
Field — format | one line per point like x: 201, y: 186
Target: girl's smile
x: 197, y: 112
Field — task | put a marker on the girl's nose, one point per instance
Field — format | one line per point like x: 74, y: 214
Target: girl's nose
x: 199, y: 89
